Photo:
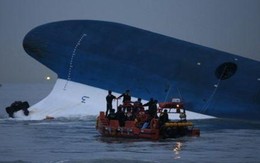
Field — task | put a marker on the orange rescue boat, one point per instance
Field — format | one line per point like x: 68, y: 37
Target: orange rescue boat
x: 155, y: 129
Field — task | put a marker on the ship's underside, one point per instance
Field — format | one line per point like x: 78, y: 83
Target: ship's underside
x: 117, y: 57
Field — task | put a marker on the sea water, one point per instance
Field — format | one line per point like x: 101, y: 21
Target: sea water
x: 76, y: 140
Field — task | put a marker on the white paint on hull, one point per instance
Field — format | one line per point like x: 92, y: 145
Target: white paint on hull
x: 75, y: 101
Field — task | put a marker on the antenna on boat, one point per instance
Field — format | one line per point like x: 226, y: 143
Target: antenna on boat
x: 181, y: 97
x: 168, y: 92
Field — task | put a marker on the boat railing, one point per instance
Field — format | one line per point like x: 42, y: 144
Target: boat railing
x: 172, y: 107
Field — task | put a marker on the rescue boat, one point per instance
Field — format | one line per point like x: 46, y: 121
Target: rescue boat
x: 155, y: 128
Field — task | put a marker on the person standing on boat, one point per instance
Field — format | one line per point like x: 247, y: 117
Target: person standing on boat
x: 126, y: 99
x: 120, y: 115
x: 126, y: 96
x: 109, y: 100
x: 149, y: 103
x: 152, y: 107
x: 164, y: 117
x: 138, y: 106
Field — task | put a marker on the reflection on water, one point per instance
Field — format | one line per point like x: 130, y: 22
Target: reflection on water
x: 177, y: 150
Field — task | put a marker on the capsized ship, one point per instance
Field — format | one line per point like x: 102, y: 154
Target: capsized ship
x: 117, y: 57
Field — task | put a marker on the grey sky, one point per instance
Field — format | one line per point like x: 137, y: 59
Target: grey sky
x: 228, y: 25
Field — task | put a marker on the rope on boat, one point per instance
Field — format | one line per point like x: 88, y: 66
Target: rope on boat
x: 71, y: 60
x: 207, y: 104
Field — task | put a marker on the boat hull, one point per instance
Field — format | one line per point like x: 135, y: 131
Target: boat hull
x: 117, y: 57
x: 111, y: 128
